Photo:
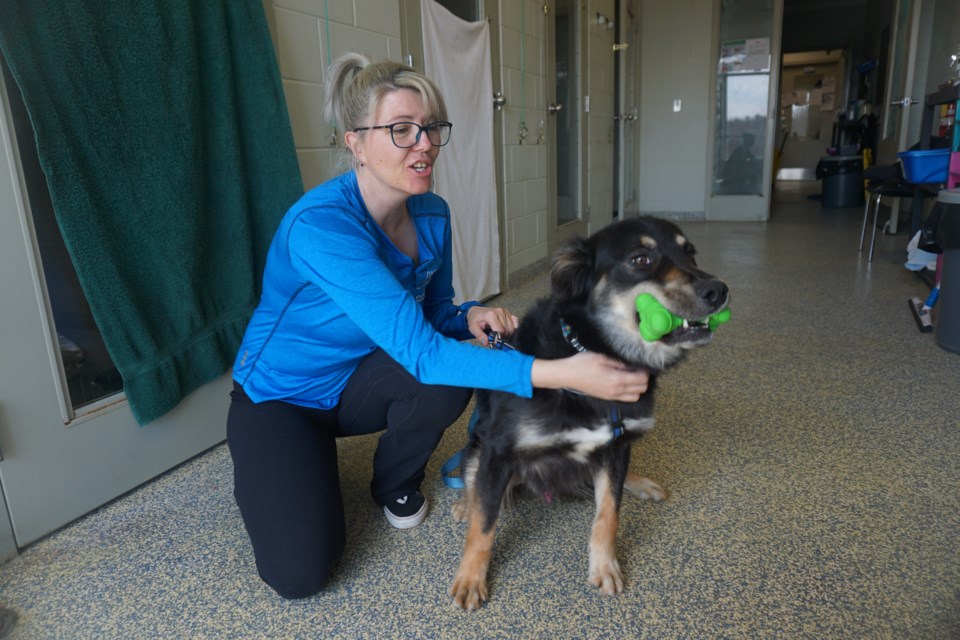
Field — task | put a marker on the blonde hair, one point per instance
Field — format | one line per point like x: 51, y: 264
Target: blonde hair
x: 355, y: 85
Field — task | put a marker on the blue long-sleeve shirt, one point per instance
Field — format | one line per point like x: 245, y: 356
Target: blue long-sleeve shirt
x: 335, y: 288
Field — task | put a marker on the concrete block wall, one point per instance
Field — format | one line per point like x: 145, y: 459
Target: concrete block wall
x: 304, y: 50
x: 525, y: 167
x: 300, y: 29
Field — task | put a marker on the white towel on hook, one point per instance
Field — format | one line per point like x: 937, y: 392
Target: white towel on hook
x: 457, y: 58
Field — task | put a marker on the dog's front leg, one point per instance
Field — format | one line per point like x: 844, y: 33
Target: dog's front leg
x: 469, y: 588
x: 604, y: 568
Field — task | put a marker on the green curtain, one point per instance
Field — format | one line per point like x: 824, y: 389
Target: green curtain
x: 163, y: 133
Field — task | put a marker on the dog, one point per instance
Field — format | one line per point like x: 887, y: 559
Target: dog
x: 561, y: 440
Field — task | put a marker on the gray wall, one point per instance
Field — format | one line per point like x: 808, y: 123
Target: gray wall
x: 945, y: 39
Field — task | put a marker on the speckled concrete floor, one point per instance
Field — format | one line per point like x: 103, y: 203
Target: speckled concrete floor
x: 812, y: 454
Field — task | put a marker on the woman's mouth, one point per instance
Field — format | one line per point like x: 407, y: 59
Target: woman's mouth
x: 421, y: 166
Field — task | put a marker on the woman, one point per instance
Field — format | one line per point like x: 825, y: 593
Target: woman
x: 356, y: 332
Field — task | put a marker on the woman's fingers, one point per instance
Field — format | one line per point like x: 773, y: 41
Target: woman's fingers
x: 615, y: 381
x: 592, y: 374
x: 493, y: 318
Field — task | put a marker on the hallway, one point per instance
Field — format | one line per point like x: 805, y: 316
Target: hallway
x: 812, y: 454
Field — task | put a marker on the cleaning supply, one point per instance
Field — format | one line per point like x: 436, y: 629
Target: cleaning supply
x: 921, y: 309
x: 656, y: 321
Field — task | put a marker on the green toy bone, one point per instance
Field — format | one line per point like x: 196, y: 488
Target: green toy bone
x: 656, y: 321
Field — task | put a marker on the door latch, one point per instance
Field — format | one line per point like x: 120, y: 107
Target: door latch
x: 904, y: 102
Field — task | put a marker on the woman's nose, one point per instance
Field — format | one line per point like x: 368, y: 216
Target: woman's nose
x: 423, y: 141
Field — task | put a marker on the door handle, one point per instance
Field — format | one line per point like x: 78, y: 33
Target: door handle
x: 499, y: 100
x: 553, y: 108
x: 904, y: 102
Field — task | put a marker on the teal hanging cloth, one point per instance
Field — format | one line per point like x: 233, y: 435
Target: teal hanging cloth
x: 163, y: 133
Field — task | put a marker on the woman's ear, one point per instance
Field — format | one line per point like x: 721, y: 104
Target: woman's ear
x: 350, y: 139
x: 354, y: 143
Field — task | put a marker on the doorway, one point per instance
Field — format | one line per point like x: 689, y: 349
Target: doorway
x: 743, y: 119
x: 811, y: 91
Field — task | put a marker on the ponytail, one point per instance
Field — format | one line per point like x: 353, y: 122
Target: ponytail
x: 355, y: 86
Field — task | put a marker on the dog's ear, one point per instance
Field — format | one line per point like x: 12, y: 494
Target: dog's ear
x: 572, y: 274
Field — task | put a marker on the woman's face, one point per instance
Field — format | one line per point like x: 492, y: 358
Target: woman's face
x: 402, y: 171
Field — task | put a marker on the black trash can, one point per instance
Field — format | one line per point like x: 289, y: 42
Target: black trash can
x: 842, y: 180
x: 947, y: 236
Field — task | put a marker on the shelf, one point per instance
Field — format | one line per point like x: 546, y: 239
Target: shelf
x: 944, y: 96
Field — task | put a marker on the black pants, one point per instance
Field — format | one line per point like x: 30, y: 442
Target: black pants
x: 286, y: 480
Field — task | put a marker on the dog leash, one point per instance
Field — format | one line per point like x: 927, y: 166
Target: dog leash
x: 496, y: 341
x: 616, y: 424
x: 451, y: 465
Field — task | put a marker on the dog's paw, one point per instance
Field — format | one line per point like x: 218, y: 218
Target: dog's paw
x: 644, y: 488
x: 606, y: 576
x: 459, y: 510
x: 468, y: 592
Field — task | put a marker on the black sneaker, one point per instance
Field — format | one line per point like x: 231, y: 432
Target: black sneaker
x: 406, y: 512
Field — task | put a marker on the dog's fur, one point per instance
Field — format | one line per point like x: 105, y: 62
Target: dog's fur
x: 561, y: 440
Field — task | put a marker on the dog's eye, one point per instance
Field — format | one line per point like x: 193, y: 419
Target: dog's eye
x: 643, y: 260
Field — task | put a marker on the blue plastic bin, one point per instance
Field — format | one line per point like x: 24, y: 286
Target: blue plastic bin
x: 928, y: 166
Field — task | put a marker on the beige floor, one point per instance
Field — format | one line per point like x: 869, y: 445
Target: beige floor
x: 812, y: 454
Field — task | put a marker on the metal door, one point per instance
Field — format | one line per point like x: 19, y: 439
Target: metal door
x: 568, y: 213
x: 899, y: 118
x: 62, y: 457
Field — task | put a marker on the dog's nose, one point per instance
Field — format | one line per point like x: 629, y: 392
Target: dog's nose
x: 714, y: 292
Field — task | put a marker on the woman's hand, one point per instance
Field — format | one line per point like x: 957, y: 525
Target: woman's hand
x: 495, y: 318
x: 593, y: 374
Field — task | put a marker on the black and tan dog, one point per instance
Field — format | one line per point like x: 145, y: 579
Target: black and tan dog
x: 561, y: 440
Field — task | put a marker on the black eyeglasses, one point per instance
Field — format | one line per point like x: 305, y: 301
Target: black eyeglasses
x: 407, y: 134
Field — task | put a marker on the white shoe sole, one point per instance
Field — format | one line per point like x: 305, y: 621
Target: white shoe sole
x: 407, y: 522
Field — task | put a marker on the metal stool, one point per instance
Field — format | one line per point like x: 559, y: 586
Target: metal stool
x: 877, y: 190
